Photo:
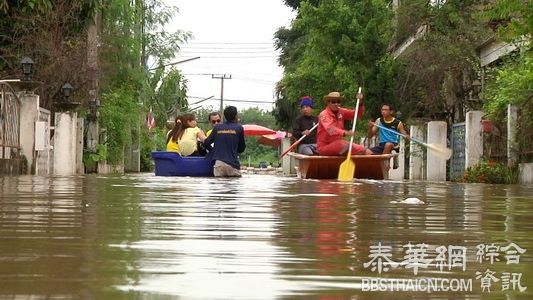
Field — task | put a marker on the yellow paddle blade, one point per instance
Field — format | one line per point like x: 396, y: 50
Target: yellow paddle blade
x: 346, y: 170
x: 440, y: 151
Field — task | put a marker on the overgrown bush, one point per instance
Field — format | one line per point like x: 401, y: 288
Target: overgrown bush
x: 151, y: 141
x: 118, y: 115
x: 487, y: 171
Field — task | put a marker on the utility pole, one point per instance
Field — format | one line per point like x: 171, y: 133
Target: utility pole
x: 221, y: 77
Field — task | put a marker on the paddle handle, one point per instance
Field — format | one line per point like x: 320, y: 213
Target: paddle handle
x: 298, y: 141
x: 399, y: 133
x: 353, y: 125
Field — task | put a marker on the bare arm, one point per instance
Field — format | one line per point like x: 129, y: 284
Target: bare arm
x: 372, y: 130
x: 201, y: 135
x: 402, y: 130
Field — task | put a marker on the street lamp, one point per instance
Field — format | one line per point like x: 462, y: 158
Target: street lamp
x: 66, y: 103
x: 66, y: 89
x: 27, y: 67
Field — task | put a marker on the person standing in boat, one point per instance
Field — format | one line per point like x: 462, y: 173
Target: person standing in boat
x: 228, y: 139
x: 302, y: 126
x: 388, y: 141
x: 184, y: 137
x: 331, y: 132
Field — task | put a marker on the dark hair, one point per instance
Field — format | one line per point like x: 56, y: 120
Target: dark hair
x: 179, y: 127
x: 230, y: 113
x: 389, y: 105
x: 215, y: 113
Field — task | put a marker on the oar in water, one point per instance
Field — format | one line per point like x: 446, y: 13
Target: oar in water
x: 298, y: 141
x: 439, y: 150
x: 347, y: 168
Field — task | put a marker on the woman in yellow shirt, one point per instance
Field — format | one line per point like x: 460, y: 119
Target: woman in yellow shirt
x: 183, y: 138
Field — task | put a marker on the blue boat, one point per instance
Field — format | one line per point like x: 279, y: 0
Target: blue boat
x: 173, y: 164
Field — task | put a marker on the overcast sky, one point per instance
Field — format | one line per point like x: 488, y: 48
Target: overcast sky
x: 232, y: 37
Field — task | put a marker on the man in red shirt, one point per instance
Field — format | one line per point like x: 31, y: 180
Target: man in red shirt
x: 331, y: 133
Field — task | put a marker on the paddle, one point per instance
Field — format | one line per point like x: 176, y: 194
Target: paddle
x: 298, y: 141
x: 347, y: 168
x: 438, y: 150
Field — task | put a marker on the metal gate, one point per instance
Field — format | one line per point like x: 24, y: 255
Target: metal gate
x: 457, y: 166
x: 9, y: 122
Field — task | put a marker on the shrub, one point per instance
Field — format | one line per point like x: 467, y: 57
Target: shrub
x: 487, y: 171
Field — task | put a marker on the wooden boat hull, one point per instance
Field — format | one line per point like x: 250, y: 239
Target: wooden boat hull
x: 327, y: 167
x: 173, y: 164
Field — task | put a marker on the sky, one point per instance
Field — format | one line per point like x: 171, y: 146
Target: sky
x: 235, y: 38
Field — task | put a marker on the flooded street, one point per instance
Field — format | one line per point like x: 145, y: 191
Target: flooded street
x: 262, y: 237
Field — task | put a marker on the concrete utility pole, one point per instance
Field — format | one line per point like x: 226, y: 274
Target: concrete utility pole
x: 221, y: 77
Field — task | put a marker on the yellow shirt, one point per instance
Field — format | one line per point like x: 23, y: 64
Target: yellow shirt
x: 173, y: 146
x: 187, y: 143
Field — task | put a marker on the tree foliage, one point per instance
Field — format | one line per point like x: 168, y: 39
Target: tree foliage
x: 440, y: 64
x: 512, y: 81
x: 53, y: 34
x: 335, y: 45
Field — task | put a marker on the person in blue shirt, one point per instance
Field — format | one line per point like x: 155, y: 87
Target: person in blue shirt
x: 228, y: 140
x: 388, y: 141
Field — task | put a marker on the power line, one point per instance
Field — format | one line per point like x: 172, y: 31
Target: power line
x: 235, y: 100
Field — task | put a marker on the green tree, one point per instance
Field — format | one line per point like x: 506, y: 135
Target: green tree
x: 512, y: 81
x: 436, y: 66
x: 133, y: 35
x: 335, y: 45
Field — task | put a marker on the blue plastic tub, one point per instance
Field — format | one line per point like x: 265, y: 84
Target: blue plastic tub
x: 173, y: 164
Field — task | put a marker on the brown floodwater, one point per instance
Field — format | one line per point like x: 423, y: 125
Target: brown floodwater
x: 139, y: 236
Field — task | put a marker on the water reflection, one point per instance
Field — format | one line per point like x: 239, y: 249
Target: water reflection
x: 257, y: 237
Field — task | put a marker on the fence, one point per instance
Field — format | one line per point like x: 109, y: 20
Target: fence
x: 457, y: 164
x: 495, y: 142
x: 9, y: 121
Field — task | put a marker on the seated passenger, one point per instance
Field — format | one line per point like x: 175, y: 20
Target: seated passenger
x: 185, y: 135
x: 388, y: 140
x: 303, y: 124
x: 173, y: 146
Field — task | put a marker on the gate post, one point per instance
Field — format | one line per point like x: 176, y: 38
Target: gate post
x: 436, y: 166
x: 512, y: 120
x: 65, y: 143
x: 398, y: 174
x: 474, y: 139
x: 416, y: 156
x: 29, y: 114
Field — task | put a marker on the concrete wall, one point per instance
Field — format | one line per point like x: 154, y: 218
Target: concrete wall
x: 65, y: 156
x: 287, y: 162
x: 525, y: 174
x: 398, y: 174
x: 435, y: 165
x: 29, y: 114
x: 473, y: 138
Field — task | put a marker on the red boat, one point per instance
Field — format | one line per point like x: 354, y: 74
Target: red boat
x: 327, y: 167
